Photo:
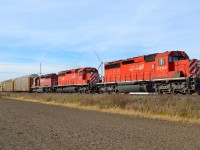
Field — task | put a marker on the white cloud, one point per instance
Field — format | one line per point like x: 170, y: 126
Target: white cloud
x: 13, y: 70
x: 50, y: 31
x: 66, y: 23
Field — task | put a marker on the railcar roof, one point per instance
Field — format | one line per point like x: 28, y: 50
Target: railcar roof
x: 69, y: 70
x: 31, y: 75
x: 157, y: 54
x: 76, y: 69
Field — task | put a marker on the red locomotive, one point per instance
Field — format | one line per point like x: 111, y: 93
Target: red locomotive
x: 77, y: 80
x: 45, y: 83
x: 169, y: 72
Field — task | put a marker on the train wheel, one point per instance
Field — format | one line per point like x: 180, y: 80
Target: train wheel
x: 174, y: 92
x: 160, y: 92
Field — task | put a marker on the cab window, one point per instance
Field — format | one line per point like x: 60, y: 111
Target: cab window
x: 182, y: 58
x: 81, y: 73
x: 178, y: 56
x: 170, y: 59
x: 161, y: 61
x: 89, y: 71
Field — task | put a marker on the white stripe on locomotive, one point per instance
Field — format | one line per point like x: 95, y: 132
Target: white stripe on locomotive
x: 193, y: 67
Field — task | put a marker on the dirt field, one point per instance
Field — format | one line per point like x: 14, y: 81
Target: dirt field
x: 26, y: 125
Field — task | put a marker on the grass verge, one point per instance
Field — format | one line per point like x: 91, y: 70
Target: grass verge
x: 166, y: 107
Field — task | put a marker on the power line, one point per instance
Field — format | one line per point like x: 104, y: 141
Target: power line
x: 2, y: 63
x: 44, y: 64
x: 15, y: 72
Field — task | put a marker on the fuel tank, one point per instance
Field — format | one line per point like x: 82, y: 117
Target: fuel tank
x: 135, y: 88
x: 69, y: 90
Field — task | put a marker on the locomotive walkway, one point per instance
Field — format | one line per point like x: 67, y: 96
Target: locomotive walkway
x: 26, y: 125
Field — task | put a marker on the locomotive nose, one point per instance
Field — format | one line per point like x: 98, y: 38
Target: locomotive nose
x: 194, y: 68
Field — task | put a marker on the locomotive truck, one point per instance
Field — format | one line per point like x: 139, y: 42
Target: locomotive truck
x: 164, y: 73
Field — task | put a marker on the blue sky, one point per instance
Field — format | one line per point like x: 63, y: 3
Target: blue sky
x: 63, y: 34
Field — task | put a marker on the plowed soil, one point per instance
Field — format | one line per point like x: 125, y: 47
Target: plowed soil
x: 26, y: 125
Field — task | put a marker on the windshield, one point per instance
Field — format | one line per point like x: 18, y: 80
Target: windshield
x: 89, y: 71
x: 178, y: 56
x: 171, y: 59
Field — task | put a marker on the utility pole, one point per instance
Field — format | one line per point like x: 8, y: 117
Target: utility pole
x: 40, y: 69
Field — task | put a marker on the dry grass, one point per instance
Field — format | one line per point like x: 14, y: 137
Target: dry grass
x: 176, y: 107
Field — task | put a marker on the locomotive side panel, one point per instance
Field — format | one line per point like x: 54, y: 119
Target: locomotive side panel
x: 135, y: 69
x: 112, y: 72
x: 48, y: 80
x: 66, y: 78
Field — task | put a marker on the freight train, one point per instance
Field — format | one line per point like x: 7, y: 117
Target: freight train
x: 164, y: 73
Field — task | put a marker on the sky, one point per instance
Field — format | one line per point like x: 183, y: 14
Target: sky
x: 63, y: 34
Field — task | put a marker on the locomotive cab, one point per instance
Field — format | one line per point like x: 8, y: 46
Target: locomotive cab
x: 36, y: 82
x: 172, y: 64
x: 178, y: 63
x: 90, y: 74
x: 177, y: 73
x: 175, y: 56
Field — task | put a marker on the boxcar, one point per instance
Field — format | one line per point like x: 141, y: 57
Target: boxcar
x: 7, y: 86
x: 23, y: 84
